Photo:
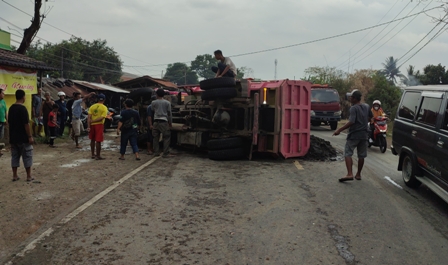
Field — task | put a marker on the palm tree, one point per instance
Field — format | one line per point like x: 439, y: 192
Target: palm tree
x: 413, y: 76
x: 391, y: 71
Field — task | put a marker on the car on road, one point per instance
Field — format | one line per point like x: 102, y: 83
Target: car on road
x: 420, y: 138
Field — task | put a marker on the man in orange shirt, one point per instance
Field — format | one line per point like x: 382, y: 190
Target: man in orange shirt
x: 95, y: 123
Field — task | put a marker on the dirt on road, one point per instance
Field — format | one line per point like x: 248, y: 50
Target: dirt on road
x: 64, y: 178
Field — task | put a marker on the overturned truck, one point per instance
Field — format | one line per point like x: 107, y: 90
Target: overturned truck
x: 233, y: 119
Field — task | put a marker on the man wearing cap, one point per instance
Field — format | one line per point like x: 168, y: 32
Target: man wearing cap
x: 95, y: 123
x: 357, y: 137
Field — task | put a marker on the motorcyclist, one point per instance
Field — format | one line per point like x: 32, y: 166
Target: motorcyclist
x: 377, y: 111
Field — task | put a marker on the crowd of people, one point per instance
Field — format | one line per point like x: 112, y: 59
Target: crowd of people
x: 53, y: 116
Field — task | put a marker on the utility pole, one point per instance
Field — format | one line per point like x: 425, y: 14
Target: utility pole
x: 275, y: 73
x: 185, y: 77
x: 161, y: 75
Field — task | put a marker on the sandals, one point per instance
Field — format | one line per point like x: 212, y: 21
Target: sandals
x: 121, y: 158
x: 100, y: 158
x: 29, y: 180
x: 345, y: 179
x: 16, y: 179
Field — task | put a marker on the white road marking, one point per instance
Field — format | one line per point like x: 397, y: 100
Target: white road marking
x: 393, y: 182
x: 298, y: 165
x: 81, y: 208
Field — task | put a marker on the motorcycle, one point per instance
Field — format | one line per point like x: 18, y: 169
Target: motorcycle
x: 112, y: 119
x: 379, y: 133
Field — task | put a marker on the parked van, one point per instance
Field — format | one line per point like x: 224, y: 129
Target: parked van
x: 420, y: 138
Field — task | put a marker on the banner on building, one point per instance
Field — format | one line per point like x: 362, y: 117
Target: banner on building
x: 12, y: 79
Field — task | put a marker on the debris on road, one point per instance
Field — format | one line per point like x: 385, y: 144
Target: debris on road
x: 321, y: 150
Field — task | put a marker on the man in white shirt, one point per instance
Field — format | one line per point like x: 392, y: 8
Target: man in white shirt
x: 226, y: 68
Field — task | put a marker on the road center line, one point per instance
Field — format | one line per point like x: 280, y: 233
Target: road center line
x: 81, y: 208
x: 393, y: 182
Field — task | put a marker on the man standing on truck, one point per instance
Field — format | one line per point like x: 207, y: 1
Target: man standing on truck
x: 357, y: 137
x: 226, y: 68
x: 162, y: 123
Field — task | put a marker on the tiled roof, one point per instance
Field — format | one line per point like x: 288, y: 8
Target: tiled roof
x: 10, y: 58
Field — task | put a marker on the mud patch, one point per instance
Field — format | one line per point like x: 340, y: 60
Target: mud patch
x: 321, y: 150
x: 76, y: 163
x: 341, y: 245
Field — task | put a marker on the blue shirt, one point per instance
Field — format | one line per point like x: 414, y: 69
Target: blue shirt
x: 76, y: 108
x: 62, y: 106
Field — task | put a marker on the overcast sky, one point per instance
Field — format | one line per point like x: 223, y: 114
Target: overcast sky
x: 153, y: 32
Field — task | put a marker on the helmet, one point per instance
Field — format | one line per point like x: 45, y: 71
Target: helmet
x: 377, y: 102
x: 60, y: 93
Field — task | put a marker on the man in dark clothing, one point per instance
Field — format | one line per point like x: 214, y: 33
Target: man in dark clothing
x: 20, y: 136
x: 162, y: 123
x: 128, y: 125
x: 47, y: 107
x: 150, y: 119
x: 357, y: 137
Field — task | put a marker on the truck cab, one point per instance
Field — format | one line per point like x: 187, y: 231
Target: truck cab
x: 325, y: 107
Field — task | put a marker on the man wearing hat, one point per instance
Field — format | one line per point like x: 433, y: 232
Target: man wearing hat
x: 357, y: 137
x: 95, y: 123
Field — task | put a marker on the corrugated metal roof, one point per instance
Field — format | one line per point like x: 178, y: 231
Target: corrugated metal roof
x: 10, y: 58
x: 145, y: 81
x: 97, y: 86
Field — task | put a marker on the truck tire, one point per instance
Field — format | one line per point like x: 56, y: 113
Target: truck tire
x: 217, y: 83
x: 315, y: 123
x: 144, y: 92
x: 219, y: 93
x: 333, y: 125
x: 227, y: 154
x: 225, y: 143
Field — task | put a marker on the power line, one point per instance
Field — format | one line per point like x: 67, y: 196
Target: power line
x: 388, y: 24
x: 355, y: 62
x: 366, y: 33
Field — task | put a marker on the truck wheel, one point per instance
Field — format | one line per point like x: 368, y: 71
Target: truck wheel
x: 217, y: 83
x: 227, y: 154
x: 225, y: 143
x: 219, y: 93
x: 333, y: 125
x: 315, y: 123
x: 408, y: 173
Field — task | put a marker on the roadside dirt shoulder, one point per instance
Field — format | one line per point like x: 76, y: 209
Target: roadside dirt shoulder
x: 64, y: 178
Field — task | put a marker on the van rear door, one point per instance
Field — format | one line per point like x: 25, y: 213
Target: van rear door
x: 441, y: 150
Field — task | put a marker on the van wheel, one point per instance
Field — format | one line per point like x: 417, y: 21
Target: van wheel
x: 333, y: 125
x: 383, y: 144
x: 408, y: 173
x: 227, y: 154
x: 219, y: 93
x: 315, y: 123
x: 217, y: 83
x: 225, y: 143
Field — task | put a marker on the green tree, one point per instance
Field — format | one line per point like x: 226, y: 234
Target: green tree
x: 323, y: 75
x: 434, y: 74
x: 202, y: 66
x: 80, y: 59
x: 386, y: 92
x: 413, y: 78
x: 391, y: 71
x: 242, y: 71
x: 181, y: 74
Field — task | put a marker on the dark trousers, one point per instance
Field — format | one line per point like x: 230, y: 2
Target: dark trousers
x: 46, y: 131
x: 164, y: 129
x: 61, y: 122
x: 221, y: 67
x: 131, y: 137
x: 52, y: 131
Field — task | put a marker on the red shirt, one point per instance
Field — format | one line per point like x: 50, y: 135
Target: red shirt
x: 52, y: 119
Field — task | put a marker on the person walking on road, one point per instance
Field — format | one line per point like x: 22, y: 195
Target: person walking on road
x: 357, y: 137
x: 3, y: 117
x: 150, y: 119
x: 20, y: 137
x: 128, y: 125
x: 38, y: 121
x: 47, y: 107
x: 53, y: 124
x: 62, y: 114
x: 162, y: 123
x: 77, y: 126
x: 226, y: 68
x: 95, y: 123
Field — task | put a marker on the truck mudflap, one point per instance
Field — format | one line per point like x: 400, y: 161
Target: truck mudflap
x: 295, y: 108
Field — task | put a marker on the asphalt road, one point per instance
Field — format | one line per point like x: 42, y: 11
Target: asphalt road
x: 190, y: 210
